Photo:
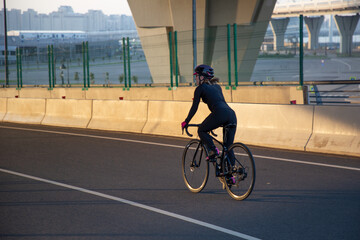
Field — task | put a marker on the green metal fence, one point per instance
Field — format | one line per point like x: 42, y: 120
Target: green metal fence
x: 239, y: 53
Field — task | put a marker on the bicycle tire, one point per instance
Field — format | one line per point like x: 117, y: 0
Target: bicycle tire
x: 195, y: 168
x: 243, y: 174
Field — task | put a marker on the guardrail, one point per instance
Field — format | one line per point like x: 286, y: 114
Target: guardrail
x: 334, y: 92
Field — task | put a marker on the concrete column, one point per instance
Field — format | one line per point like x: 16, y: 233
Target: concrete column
x: 331, y: 24
x: 154, y: 19
x: 346, y: 26
x: 278, y: 27
x: 313, y: 26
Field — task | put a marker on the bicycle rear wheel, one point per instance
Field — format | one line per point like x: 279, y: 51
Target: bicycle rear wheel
x: 240, y: 178
x: 195, y: 168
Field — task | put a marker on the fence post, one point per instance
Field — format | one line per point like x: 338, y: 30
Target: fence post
x: 301, y: 54
x: 171, y: 62
x: 229, y: 54
x: 49, y: 66
x: 20, y: 65
x: 124, y: 58
x: 176, y: 61
x: 128, y: 57
x: 84, y: 64
x: 52, y: 65
x: 87, y: 64
x: 235, y: 54
x: 17, y: 68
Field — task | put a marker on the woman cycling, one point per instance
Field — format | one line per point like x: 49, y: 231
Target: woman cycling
x: 221, y: 114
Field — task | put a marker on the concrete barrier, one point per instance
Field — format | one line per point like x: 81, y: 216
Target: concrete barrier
x: 68, y: 113
x: 21, y: 110
x: 336, y: 130
x: 68, y: 93
x: 34, y: 93
x: 183, y: 94
x: 165, y: 117
x: 187, y: 93
x: 127, y: 116
x: 268, y: 94
x: 325, y: 129
x: 107, y: 94
x: 150, y: 93
x: 3, y: 103
x: 9, y: 92
x: 278, y: 126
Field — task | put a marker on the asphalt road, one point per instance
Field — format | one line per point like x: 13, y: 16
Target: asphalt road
x: 62, y: 183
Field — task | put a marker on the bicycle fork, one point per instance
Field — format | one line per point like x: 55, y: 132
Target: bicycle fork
x: 194, y: 163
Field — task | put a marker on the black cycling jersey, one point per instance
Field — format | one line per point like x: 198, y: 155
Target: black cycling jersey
x: 220, y: 115
x: 211, y: 95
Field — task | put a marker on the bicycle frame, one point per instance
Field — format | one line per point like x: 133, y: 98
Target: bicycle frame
x: 237, y: 175
x: 224, y: 149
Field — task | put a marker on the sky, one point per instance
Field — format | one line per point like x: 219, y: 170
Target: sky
x: 108, y: 7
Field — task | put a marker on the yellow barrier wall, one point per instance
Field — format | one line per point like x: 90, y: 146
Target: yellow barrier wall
x: 183, y: 94
x: 21, y: 110
x: 326, y: 129
x: 3, y: 103
x: 242, y: 94
x: 267, y: 94
x: 106, y: 93
x: 34, y: 93
x: 150, y: 93
x: 187, y: 93
x: 127, y: 116
x: 336, y: 130
x: 8, y: 92
x: 279, y: 126
x: 68, y: 113
x: 68, y: 93
x: 165, y: 117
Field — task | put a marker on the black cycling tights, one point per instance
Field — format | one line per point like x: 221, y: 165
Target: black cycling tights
x: 216, y: 119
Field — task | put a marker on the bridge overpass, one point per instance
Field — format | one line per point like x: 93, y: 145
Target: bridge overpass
x: 293, y: 8
x: 314, y: 11
x: 252, y: 19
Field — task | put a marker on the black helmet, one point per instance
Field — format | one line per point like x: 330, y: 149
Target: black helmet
x: 204, y: 70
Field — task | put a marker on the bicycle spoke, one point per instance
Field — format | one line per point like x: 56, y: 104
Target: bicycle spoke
x: 194, y: 173
x: 241, y: 177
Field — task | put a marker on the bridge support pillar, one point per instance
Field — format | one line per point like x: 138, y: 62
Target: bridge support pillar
x: 313, y: 26
x: 346, y: 26
x: 278, y: 27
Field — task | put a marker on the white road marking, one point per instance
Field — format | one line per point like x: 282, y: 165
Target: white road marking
x: 343, y: 62
x: 178, y: 146
x: 309, y: 163
x: 135, y: 204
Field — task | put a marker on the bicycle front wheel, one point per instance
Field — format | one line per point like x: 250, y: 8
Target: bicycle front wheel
x: 240, y: 179
x: 195, y: 168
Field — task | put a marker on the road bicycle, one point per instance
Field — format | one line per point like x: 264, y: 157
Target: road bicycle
x: 238, y: 178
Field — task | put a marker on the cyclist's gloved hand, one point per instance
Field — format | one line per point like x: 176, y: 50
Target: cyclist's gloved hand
x: 183, y: 125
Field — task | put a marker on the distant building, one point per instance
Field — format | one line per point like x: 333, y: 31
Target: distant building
x: 11, y: 54
x: 65, y: 19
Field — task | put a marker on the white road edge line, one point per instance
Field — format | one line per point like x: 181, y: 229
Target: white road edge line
x: 135, y: 204
x: 177, y: 146
x: 309, y: 163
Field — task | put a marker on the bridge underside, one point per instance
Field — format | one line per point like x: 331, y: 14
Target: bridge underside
x: 155, y: 19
